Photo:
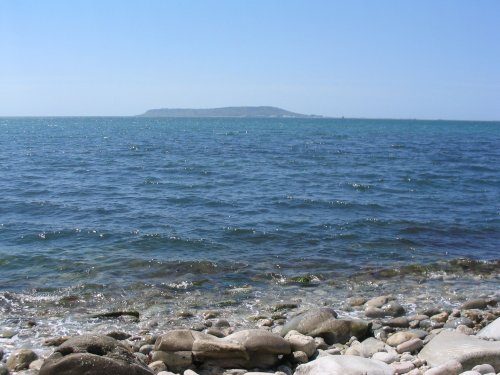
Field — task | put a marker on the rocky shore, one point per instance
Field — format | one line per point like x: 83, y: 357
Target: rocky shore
x: 387, y: 339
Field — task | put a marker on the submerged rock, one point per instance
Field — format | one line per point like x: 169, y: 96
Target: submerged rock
x: 93, y: 355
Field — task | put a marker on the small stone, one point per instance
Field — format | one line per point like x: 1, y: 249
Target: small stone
x: 402, y: 367
x: 356, y: 301
x: 210, y: 315
x: 157, y: 366
x: 21, y: 359
x: 479, y: 303
x: 484, y: 369
x: 449, y: 368
x: 400, y: 322
x: 264, y: 323
x: 184, y: 314
x: 222, y: 323
x: 410, y: 346
x: 300, y: 357
x: 465, y: 330
x: 118, y: 335
x: 320, y: 343
x: 400, y: 337
x: 300, y: 342
x: 454, y: 323
x: 36, y: 365
x: 431, y: 311
x: 146, y: 349
x: 3, y: 369
x: 385, y: 357
x: 190, y: 372
x: 378, y: 301
x: 440, y: 318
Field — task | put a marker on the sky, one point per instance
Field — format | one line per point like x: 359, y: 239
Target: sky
x: 428, y: 59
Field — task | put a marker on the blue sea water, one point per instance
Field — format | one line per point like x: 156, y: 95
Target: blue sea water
x: 105, y: 209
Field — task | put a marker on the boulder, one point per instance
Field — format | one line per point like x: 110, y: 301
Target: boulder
x: 93, y: 355
x: 309, y: 320
x: 344, y: 365
x: 21, y: 359
x: 491, y: 331
x: 469, y: 351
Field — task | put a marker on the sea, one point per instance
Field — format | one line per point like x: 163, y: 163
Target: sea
x: 171, y: 217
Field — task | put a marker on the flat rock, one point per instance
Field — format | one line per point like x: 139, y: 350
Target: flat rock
x: 491, y: 331
x: 93, y: 355
x: 469, y: 351
x: 344, y: 365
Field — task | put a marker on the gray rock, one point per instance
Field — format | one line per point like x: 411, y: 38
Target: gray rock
x: 385, y: 357
x: 449, y: 367
x: 378, y: 301
x: 491, y: 331
x: 479, y: 303
x: 21, y: 359
x: 400, y: 322
x: 93, y: 355
x: 3, y: 369
x: 484, y: 369
x: 323, y: 323
x: 402, y: 367
x: 309, y: 320
x: 369, y: 347
x: 470, y: 373
x: 174, y: 360
x: 469, y: 351
x: 300, y: 342
x: 344, y: 365
x: 410, y: 346
x: 300, y: 357
x: 157, y: 366
x: 36, y: 365
x: 454, y: 323
x: 400, y: 337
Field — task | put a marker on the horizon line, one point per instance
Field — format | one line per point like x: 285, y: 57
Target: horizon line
x: 319, y: 117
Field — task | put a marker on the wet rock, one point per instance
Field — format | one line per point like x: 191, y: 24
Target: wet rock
x: 378, y: 301
x: 469, y: 351
x: 21, y: 359
x: 400, y: 337
x: 176, y: 361
x: 309, y: 320
x: 454, y: 323
x: 479, y: 303
x: 93, y: 355
x: 3, y: 369
x: 440, y: 318
x: 118, y: 335
x: 491, y: 331
x: 356, y: 301
x: 450, y: 367
x: 7, y: 334
x: 344, y: 365
x: 285, y: 306
x: 146, y: 349
x: 400, y: 322
x: 300, y: 342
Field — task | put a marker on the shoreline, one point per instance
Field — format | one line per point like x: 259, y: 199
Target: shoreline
x: 398, y: 312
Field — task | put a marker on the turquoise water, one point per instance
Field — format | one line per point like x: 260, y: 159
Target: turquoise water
x: 102, y: 209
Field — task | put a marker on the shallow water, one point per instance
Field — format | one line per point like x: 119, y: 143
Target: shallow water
x: 160, y: 215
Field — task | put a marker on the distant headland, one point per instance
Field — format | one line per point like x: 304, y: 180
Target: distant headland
x: 250, y: 112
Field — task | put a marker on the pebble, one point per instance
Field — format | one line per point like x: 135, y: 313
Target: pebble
x: 385, y: 357
x: 484, y: 369
x: 449, y: 368
x: 21, y: 359
x: 400, y: 337
x: 410, y: 346
x: 3, y: 369
x: 402, y: 367
x: 157, y: 366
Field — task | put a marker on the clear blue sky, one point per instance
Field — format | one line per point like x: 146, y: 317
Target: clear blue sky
x: 398, y: 59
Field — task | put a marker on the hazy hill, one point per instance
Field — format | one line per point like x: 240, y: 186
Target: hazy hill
x: 224, y: 112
